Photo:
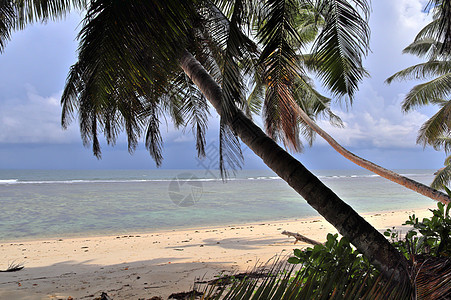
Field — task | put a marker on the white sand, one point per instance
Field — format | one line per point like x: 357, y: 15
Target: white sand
x: 154, y: 264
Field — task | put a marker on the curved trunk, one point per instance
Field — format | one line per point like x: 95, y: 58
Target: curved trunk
x: 347, y: 221
x: 390, y: 175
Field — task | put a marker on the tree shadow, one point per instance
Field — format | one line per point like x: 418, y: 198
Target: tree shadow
x: 85, y: 280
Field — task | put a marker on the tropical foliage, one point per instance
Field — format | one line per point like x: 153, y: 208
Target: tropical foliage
x: 431, y: 236
x: 432, y: 43
x: 130, y: 50
x: 298, y: 99
x: 335, y: 270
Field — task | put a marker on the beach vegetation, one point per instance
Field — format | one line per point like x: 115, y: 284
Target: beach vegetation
x: 316, y: 274
x: 334, y: 253
x: 336, y: 270
x: 431, y: 236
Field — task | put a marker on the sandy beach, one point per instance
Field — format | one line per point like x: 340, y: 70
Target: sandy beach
x: 141, y: 266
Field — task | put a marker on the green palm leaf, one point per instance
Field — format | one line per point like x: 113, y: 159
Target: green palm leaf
x: 442, y: 177
x: 442, y: 28
x: 194, y: 109
x: 421, y: 94
x: 422, y: 71
x: 279, y: 60
x: 30, y: 11
x: 314, y: 105
x: 434, y: 43
x: 438, y: 126
x: 123, y: 76
x: 7, y: 20
x: 16, y: 14
x: 426, y: 47
x: 235, y: 45
x: 256, y: 97
x: 429, y: 31
x: 341, y: 44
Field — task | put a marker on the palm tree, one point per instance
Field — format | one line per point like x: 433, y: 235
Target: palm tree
x: 136, y: 63
x: 435, y: 131
x: 298, y: 96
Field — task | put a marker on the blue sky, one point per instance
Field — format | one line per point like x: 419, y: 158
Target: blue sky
x: 34, y: 66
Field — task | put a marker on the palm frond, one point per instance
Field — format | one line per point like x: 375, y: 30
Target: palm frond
x: 282, y: 281
x: 232, y: 44
x: 422, y: 71
x: 443, y: 143
x: 438, y: 126
x: 442, y: 32
x: 421, y: 94
x: 123, y: 75
x: 234, y: 53
x: 426, y: 47
x: 230, y: 154
x: 279, y: 60
x: 70, y: 94
x: 15, y: 15
x: 308, y: 23
x: 433, y: 278
x: 429, y: 31
x: 448, y: 159
x: 154, y: 141
x: 194, y: 110
x: 313, y: 103
x: 341, y: 44
x: 7, y: 20
x: 442, y: 178
x: 30, y: 11
x: 255, y: 98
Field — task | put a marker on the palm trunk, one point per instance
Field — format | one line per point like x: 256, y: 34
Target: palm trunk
x: 390, y: 175
x: 348, y: 222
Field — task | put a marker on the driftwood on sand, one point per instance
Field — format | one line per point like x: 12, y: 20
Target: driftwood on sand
x: 301, y: 238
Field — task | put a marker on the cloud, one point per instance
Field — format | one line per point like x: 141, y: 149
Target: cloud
x: 411, y: 15
x: 373, y: 123
x: 34, y: 119
x: 394, y: 25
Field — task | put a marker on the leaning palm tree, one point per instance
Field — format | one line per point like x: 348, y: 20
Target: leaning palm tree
x: 298, y: 93
x: 435, y: 131
x: 139, y: 60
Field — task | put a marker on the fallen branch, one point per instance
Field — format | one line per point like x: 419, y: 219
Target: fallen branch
x: 300, y: 237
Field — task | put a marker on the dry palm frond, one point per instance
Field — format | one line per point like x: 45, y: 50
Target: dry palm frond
x: 432, y: 277
x: 13, y: 267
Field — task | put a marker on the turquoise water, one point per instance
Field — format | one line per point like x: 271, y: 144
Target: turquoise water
x: 57, y: 203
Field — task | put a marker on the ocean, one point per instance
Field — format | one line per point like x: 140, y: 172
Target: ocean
x: 38, y: 204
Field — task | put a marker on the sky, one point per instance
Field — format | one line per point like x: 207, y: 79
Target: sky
x: 35, y: 63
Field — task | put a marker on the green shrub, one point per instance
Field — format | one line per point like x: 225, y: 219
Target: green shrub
x: 431, y: 236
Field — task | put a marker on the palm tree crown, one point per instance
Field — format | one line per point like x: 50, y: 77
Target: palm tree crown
x: 430, y: 43
x: 126, y: 77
